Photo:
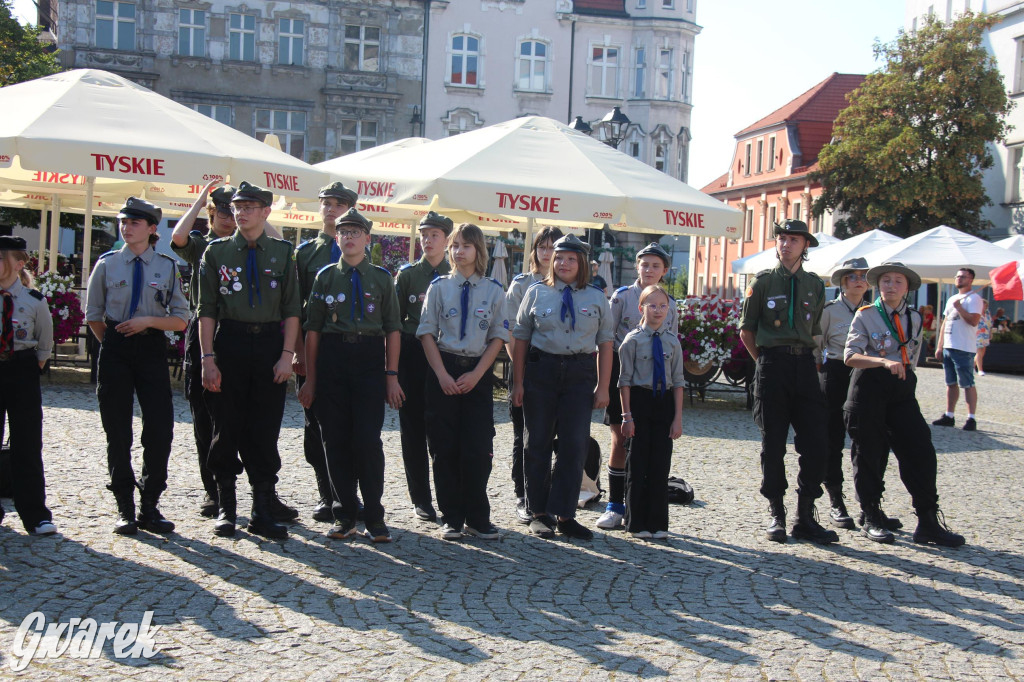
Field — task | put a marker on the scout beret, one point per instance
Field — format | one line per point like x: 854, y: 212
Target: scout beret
x: 140, y: 208
x: 655, y: 249
x: 353, y: 217
x: 571, y: 242
x: 441, y: 222
x: 340, y: 192
x: 796, y: 227
x: 913, y: 279
x: 247, y: 192
x: 852, y: 265
x: 221, y: 197
x: 9, y: 243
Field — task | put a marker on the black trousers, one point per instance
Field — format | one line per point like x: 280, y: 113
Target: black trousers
x: 21, y: 399
x: 413, y: 370
x: 130, y: 366
x: 349, y: 405
x: 786, y: 392
x: 648, y: 460
x: 558, y: 400
x: 247, y: 412
x: 882, y: 413
x: 202, y: 424
x: 312, y: 439
x: 459, y: 430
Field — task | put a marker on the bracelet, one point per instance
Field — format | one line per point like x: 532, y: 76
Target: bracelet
x: 390, y: 373
x: 209, y: 355
x: 285, y: 350
x: 626, y: 414
x: 627, y: 421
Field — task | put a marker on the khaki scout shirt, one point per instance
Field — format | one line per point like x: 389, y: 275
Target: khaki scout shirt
x: 110, y: 287
x: 540, y: 321
x: 517, y: 290
x: 625, y: 306
x: 411, y: 285
x: 767, y: 302
x: 329, y: 309
x: 33, y: 324
x: 224, y: 283
x: 485, y: 317
x: 192, y: 253
x: 310, y: 258
x: 869, y: 335
x: 836, y: 317
x: 636, y: 358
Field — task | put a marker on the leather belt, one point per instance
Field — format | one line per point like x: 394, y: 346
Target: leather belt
x: 785, y: 350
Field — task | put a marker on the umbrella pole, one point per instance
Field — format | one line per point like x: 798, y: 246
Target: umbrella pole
x: 90, y: 186
x: 54, y: 232
x: 528, y: 245
x: 40, y: 264
x: 412, y: 242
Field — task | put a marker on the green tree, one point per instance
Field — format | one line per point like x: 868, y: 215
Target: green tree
x: 909, y: 151
x: 22, y: 56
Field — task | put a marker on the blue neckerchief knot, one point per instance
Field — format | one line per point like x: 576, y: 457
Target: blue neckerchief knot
x: 357, y: 294
x: 137, y: 285
x: 567, y: 306
x: 335, y: 252
x: 658, y: 356
x: 252, y: 272
x: 465, y: 309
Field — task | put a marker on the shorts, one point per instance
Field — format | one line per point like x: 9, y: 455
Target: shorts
x: 613, y: 413
x: 959, y: 366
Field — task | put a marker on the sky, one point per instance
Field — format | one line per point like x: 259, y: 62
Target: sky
x: 754, y: 56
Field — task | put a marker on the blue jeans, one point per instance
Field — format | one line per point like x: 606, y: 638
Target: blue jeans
x: 959, y: 366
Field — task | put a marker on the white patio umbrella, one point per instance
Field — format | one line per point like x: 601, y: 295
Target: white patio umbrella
x: 1014, y: 243
x: 765, y: 260
x: 498, y: 270
x: 937, y: 254
x: 604, y: 268
x: 827, y: 259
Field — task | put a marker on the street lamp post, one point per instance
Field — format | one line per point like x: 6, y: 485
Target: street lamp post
x: 582, y: 126
x: 617, y: 126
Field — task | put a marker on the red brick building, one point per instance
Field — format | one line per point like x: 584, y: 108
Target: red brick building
x: 769, y: 181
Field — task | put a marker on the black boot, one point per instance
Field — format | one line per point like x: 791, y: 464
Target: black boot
x: 279, y: 509
x: 323, y: 511
x: 807, y: 526
x: 776, y: 530
x: 890, y: 522
x: 261, y: 520
x: 874, y: 526
x: 932, y: 531
x: 837, y: 509
x: 224, y: 526
x: 125, y: 524
x: 150, y: 517
x: 209, y: 506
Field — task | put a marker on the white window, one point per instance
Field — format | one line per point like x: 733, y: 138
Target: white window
x: 465, y: 60
x: 660, y: 156
x: 689, y: 5
x: 748, y: 226
x: 1018, y: 80
x: 684, y: 78
x: 668, y: 4
x: 1016, y: 154
x: 746, y: 160
x: 533, y: 65
x: 115, y: 24
x: 640, y: 73
x: 289, y: 126
x: 663, y: 85
x: 634, y: 149
x: 290, y: 37
x: 796, y: 211
x: 242, y: 37
x: 683, y: 161
x: 191, y: 32
x: 771, y: 216
x: 760, y: 155
x: 604, y: 71
x: 771, y: 153
x: 641, y: 4
x: 217, y: 112
x: 357, y: 135
x: 362, y: 48
x: 461, y: 120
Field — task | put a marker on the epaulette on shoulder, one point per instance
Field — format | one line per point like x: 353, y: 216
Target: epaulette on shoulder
x: 520, y: 276
x: 106, y: 255
x: 36, y: 294
x: 308, y: 242
x: 762, y: 273
x: 384, y: 270
x: 405, y: 267
x: 591, y: 284
x: 221, y: 240
x: 170, y: 258
x: 439, y: 278
x: 534, y: 284
x: 865, y: 307
x: 621, y: 289
x: 832, y: 302
x: 329, y: 265
x: 195, y: 233
x: 281, y: 241
x: 500, y: 285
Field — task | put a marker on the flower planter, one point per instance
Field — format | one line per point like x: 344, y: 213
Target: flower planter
x: 1005, y: 357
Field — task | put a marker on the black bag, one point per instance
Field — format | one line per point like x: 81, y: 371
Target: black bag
x: 6, y: 478
x: 679, y: 491
x: 590, y: 488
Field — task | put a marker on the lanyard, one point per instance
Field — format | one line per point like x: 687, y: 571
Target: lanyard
x: 889, y: 324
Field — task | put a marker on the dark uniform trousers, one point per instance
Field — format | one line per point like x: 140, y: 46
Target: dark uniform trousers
x: 412, y: 376
x: 247, y: 411
x: 558, y: 397
x: 515, y: 415
x: 22, y: 401
x: 786, y: 392
x: 648, y: 460
x: 459, y: 430
x: 349, y: 405
x: 312, y: 439
x: 130, y: 366
x: 882, y: 412
x: 202, y: 425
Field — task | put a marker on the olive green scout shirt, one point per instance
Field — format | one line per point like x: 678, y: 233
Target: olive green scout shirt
x: 411, y: 285
x: 330, y: 307
x: 310, y: 258
x: 192, y: 253
x: 771, y: 297
x: 224, y: 283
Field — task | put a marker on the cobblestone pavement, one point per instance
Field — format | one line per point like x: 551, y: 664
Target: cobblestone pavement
x: 716, y: 601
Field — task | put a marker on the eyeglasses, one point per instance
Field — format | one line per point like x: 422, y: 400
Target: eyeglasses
x: 350, y: 234
x: 245, y: 208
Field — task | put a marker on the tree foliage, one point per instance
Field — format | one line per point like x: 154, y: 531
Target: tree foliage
x: 22, y: 56
x: 908, y: 153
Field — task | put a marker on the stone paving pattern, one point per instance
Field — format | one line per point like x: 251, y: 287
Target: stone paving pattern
x: 716, y: 602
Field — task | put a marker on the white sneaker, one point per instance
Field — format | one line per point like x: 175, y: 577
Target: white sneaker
x: 642, y: 535
x: 610, y: 520
x: 659, y: 535
x: 981, y: 374
x: 44, y: 528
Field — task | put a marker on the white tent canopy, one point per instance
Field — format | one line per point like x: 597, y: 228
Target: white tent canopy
x: 827, y: 259
x: 1014, y: 243
x: 937, y: 254
x: 748, y: 265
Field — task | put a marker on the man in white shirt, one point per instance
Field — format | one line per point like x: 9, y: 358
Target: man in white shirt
x: 956, y: 344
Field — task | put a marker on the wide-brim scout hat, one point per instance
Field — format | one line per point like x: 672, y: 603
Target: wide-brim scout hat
x: 247, y: 192
x: 140, y: 208
x: 913, y: 279
x: 9, y: 243
x: 339, y: 192
x: 796, y: 227
x: 655, y: 249
x: 353, y: 217
x: 221, y: 197
x: 441, y: 222
x: 571, y: 242
x: 849, y: 266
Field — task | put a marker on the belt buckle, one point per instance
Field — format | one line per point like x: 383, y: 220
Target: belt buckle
x: 349, y: 337
x: 253, y: 328
x: 6, y: 356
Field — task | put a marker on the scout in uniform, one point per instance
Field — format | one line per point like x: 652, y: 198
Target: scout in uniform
x: 652, y: 262
x: 834, y: 379
x: 781, y: 315
x: 883, y: 346
x: 540, y: 264
x: 247, y: 288
x: 310, y: 257
x: 134, y: 296
x: 26, y: 340
x: 561, y: 323
x: 411, y: 285
x: 353, y: 342
x: 462, y: 330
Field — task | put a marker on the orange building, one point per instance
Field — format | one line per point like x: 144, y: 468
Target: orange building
x: 769, y: 181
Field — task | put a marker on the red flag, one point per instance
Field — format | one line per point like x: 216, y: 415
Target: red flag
x: 1008, y: 281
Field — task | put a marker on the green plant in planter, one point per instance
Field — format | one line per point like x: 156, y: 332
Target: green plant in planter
x: 1007, y: 337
